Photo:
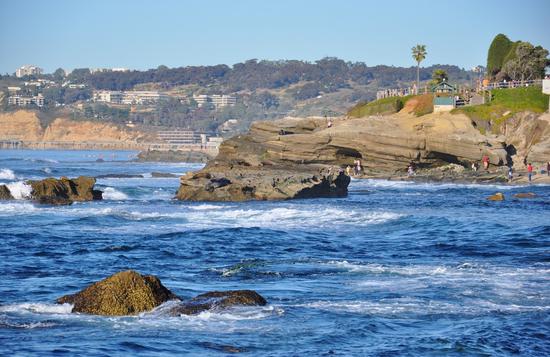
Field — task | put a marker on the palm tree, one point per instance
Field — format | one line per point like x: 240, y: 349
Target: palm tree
x: 419, y: 54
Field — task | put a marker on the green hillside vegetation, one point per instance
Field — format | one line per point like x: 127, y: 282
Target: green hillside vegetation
x: 378, y: 107
x: 504, y: 104
x: 414, y: 104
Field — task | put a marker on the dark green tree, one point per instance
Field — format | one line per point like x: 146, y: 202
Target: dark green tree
x: 59, y: 75
x: 499, y: 49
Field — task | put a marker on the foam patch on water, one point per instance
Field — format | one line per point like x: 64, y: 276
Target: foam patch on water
x: 7, y: 174
x: 412, y: 305
x: 20, y: 190
x: 38, y: 308
x: 110, y: 193
x: 379, y: 183
x: 16, y: 208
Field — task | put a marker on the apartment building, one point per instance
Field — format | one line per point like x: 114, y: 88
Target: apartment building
x: 24, y: 101
x: 218, y: 100
x: 28, y: 70
x: 128, y: 97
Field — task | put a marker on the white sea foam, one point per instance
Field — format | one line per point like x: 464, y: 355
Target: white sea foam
x: 398, y: 306
x: 37, y: 308
x: 47, y: 170
x: 110, y: 193
x: 16, y: 208
x: 207, y: 207
x: 7, y: 174
x: 379, y: 183
x: 19, y: 190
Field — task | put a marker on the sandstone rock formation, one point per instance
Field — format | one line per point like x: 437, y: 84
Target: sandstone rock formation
x: 291, y: 158
x: 5, y: 193
x: 499, y: 196
x: 64, y: 190
x: 218, y: 300
x: 124, y: 293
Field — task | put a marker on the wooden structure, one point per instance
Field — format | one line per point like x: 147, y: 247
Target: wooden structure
x: 444, y: 97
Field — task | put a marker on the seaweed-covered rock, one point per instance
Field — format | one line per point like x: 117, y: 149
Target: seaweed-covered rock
x: 64, y: 191
x: 5, y: 193
x: 218, y: 300
x: 124, y: 293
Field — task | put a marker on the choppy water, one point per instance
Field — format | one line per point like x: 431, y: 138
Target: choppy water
x: 393, y: 269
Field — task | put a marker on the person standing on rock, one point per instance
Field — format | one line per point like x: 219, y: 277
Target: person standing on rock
x: 510, y: 173
x: 548, y: 168
x: 348, y: 170
x: 529, y: 171
x: 486, y: 162
x: 358, y: 168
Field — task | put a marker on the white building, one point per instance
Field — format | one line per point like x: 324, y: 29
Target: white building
x: 128, y: 97
x: 23, y: 101
x: 218, y: 100
x: 180, y: 137
x: 28, y: 70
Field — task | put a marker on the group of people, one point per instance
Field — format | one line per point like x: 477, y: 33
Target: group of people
x: 530, y: 169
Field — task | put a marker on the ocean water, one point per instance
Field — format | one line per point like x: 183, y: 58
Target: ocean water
x: 393, y: 269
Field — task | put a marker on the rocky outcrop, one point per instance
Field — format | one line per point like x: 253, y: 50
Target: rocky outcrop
x: 499, y: 196
x: 528, y: 137
x: 218, y: 300
x: 222, y: 183
x: 295, y: 158
x: 5, y: 193
x: 173, y: 156
x: 64, y: 191
x: 130, y: 293
x: 525, y: 195
x: 124, y: 293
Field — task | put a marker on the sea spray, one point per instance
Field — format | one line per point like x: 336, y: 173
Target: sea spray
x: 7, y: 174
x: 20, y: 190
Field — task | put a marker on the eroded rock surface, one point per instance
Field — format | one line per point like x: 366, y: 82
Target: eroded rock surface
x: 124, y: 293
x: 64, y: 190
x: 218, y: 300
x: 5, y: 193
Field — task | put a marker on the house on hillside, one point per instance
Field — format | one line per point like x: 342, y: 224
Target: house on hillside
x: 444, y: 97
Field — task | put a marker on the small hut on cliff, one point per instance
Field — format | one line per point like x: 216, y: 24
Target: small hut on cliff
x: 444, y: 97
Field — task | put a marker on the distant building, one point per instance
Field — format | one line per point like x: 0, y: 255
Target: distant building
x: 28, y: 70
x: 128, y: 97
x: 13, y: 90
x: 219, y: 101
x: 76, y: 86
x: 24, y: 101
x: 180, y: 137
x: 116, y: 69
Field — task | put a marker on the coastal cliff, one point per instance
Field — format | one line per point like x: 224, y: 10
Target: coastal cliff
x: 25, y: 125
x: 280, y: 159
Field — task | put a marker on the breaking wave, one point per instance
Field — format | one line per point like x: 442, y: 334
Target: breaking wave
x: 19, y: 190
x: 7, y: 174
x: 110, y: 193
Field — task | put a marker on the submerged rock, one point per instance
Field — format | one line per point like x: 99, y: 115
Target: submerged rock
x: 162, y: 174
x: 119, y: 176
x: 218, y: 300
x: 5, y: 193
x: 499, y: 196
x: 525, y: 195
x: 124, y: 293
x: 64, y: 191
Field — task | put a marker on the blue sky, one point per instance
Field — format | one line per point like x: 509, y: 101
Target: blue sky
x: 142, y: 34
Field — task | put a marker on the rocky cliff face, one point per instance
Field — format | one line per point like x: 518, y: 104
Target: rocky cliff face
x: 25, y: 125
x: 293, y: 158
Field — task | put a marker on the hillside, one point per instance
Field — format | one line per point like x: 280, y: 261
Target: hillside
x: 264, y: 90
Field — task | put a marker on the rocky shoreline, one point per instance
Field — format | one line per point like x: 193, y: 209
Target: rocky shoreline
x: 303, y: 158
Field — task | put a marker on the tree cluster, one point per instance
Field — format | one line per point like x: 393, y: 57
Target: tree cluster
x: 515, y: 60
